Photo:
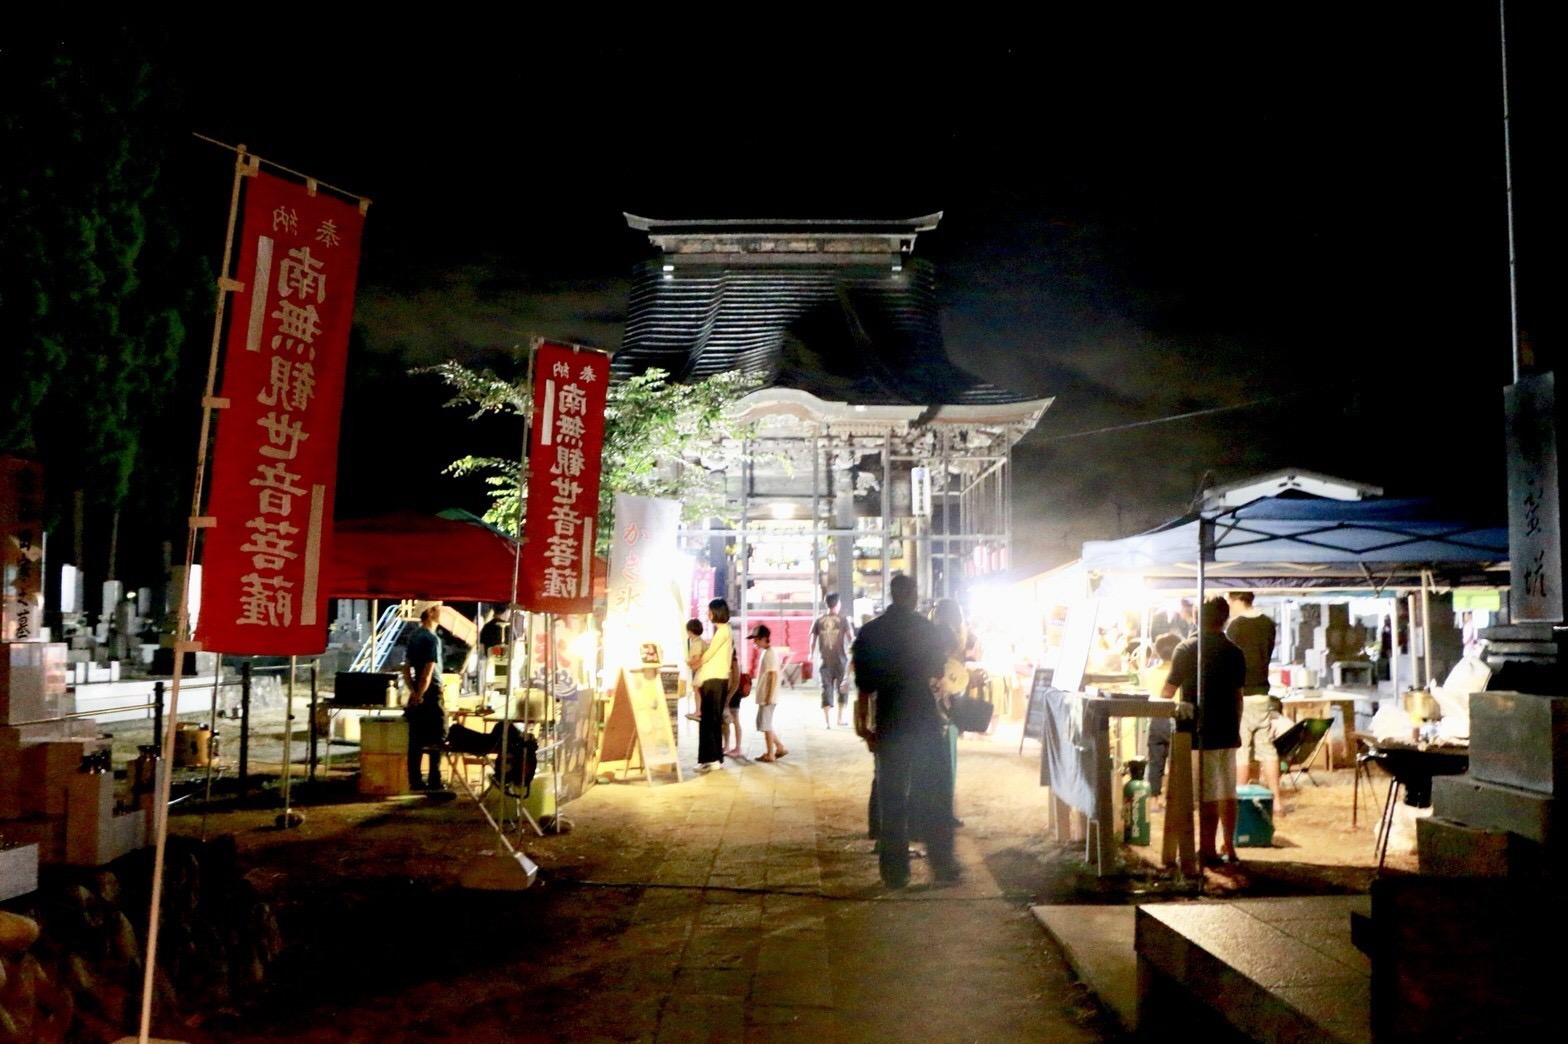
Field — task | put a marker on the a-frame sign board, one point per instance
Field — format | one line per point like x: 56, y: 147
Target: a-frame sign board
x: 637, y: 731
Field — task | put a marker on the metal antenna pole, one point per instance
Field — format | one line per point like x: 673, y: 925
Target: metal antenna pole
x: 1508, y: 196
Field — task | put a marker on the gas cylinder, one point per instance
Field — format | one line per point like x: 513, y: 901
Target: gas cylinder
x: 144, y: 774
x: 1135, y: 804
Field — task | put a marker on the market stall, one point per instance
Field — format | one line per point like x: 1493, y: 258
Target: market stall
x: 1338, y: 543
x: 454, y: 556
x: 1349, y: 576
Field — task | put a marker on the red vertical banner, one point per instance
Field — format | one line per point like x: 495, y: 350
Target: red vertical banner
x: 565, y: 439
x: 274, y: 464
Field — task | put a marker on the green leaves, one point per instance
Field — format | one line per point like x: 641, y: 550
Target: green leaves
x: 661, y: 439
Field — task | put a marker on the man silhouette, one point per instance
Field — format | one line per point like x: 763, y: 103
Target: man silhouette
x: 898, y: 658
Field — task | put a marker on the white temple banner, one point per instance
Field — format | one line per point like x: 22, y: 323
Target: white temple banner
x: 645, y: 607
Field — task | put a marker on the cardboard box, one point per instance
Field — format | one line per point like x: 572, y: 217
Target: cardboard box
x: 13, y: 741
x: 383, y: 774
x: 383, y: 735
x: 94, y: 834
x: 47, y: 770
x: 47, y: 832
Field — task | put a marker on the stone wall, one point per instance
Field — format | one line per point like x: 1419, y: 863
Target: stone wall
x: 71, y: 953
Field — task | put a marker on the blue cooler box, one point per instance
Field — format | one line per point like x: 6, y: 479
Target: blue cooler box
x: 1254, y: 816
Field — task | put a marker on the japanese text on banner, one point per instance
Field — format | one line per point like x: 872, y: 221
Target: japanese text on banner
x: 275, y: 465
x: 567, y: 435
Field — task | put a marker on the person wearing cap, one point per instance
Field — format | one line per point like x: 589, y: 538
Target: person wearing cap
x: 424, y: 713
x: 766, y: 689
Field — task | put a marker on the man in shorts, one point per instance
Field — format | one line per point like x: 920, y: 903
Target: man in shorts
x: 1218, y: 726
x: 830, y: 635
x: 1254, y: 633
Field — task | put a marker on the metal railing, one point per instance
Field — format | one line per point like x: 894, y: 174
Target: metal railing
x: 372, y: 656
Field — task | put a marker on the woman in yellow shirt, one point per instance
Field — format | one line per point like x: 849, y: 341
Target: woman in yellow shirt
x: 712, y: 679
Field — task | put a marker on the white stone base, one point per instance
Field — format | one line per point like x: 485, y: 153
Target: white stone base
x: 18, y: 871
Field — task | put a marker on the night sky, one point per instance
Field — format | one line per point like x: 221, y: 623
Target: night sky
x: 1299, y: 212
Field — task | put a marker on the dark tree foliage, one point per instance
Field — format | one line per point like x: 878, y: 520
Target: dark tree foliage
x: 104, y: 306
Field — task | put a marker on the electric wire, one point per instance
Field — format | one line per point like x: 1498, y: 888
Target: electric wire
x: 1158, y: 420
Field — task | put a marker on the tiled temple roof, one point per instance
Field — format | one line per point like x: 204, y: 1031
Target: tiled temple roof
x: 833, y: 308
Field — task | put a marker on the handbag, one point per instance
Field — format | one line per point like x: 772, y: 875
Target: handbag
x: 735, y: 676
x: 969, y: 714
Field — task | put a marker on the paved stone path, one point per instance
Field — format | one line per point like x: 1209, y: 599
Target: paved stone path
x: 740, y: 905
x: 767, y: 919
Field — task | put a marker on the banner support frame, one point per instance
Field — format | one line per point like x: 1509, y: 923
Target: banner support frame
x: 245, y: 166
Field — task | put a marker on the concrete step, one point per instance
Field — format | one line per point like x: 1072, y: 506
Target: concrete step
x: 1273, y: 969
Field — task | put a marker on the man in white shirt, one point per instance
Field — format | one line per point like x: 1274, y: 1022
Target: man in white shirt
x: 1254, y: 633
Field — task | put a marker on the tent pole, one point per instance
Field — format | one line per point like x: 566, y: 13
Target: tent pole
x: 1197, y: 797
x: 1415, y: 656
x: 557, y: 741
x: 1426, y: 623
x: 288, y: 817
x: 1393, y: 644
x: 887, y: 515
x: 212, y: 734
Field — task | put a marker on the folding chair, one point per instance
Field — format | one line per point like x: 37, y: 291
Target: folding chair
x: 1366, y: 754
x: 1299, y: 745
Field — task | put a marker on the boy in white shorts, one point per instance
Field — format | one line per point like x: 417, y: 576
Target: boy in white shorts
x: 766, y: 690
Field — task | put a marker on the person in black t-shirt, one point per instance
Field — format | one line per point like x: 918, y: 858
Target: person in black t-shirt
x: 898, y: 657
x: 424, y: 713
x: 1218, y: 737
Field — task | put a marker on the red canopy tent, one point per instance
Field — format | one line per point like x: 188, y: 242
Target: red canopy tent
x: 452, y: 557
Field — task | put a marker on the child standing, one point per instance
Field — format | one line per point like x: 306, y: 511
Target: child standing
x: 766, y: 689
x: 695, y: 647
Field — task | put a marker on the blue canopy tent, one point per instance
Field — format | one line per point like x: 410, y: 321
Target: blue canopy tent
x: 1304, y: 542
x: 1297, y: 533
